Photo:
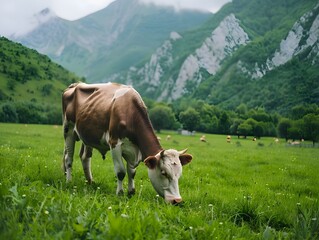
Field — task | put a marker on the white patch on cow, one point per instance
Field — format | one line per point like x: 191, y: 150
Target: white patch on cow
x: 105, y: 138
x: 120, y: 92
x: 131, y: 152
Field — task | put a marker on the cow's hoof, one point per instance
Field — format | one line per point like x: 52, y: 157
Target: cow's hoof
x: 120, y: 192
x: 90, y: 182
x: 131, y: 192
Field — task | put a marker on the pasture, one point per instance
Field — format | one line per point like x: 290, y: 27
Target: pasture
x: 237, y: 190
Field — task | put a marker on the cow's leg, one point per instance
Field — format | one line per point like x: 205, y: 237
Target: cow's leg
x: 118, y: 167
x: 85, y: 155
x: 69, y: 143
x: 131, y: 174
x: 131, y: 170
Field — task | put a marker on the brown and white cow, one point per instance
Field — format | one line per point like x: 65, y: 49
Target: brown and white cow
x: 113, y: 117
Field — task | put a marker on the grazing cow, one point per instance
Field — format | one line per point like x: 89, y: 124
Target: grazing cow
x: 202, y: 138
x: 113, y: 117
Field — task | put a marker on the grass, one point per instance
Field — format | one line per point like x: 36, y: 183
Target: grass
x: 241, y: 190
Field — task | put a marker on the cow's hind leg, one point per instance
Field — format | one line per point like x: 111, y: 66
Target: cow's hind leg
x: 118, y: 167
x: 85, y: 155
x: 69, y: 143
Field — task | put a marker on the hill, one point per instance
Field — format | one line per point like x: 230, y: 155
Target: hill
x: 30, y: 85
x: 261, y: 53
x: 110, y: 40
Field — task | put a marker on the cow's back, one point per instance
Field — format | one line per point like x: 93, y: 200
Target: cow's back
x: 97, y: 109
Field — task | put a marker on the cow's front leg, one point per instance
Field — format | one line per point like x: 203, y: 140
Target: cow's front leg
x: 118, y: 167
x: 85, y: 155
x: 131, y: 174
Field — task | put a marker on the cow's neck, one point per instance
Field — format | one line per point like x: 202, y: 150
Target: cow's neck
x: 146, y: 139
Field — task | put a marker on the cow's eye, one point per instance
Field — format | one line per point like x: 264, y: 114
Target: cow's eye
x: 163, y: 173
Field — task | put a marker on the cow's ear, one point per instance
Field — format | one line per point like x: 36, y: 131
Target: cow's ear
x: 185, y: 158
x: 151, y: 162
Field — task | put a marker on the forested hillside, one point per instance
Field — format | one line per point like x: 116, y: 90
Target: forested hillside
x: 30, y: 85
x: 260, y: 53
x: 278, y: 68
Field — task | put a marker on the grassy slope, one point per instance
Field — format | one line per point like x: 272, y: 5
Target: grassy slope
x: 242, y: 190
x: 15, y: 57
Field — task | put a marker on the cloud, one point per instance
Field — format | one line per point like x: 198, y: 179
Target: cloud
x: 210, y: 5
x: 75, y: 9
x: 18, y: 16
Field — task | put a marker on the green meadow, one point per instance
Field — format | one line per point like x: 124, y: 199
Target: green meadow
x: 238, y: 190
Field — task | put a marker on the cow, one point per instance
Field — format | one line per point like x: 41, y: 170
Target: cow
x: 202, y: 138
x: 113, y: 117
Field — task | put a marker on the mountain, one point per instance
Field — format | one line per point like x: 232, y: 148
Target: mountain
x: 110, y: 40
x: 259, y: 52
x: 30, y: 85
x: 262, y: 53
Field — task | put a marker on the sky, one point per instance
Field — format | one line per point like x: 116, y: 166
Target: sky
x: 19, y: 16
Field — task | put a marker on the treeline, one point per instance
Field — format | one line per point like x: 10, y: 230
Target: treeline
x: 301, y: 122
x: 30, y: 112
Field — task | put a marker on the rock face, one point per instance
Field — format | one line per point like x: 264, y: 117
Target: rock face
x: 298, y: 39
x: 222, y: 42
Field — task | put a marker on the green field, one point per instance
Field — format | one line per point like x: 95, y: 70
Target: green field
x: 237, y: 190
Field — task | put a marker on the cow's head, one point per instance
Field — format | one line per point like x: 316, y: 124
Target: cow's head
x: 164, y: 170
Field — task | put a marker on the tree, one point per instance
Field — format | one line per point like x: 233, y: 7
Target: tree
x: 224, y: 123
x: 46, y: 89
x: 283, y: 127
x: 241, y: 110
x: 311, y: 127
x: 162, y: 117
x: 244, y: 129
x: 8, y: 113
x: 190, y: 119
x: 258, y: 130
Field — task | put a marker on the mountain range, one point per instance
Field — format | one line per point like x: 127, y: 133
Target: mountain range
x: 110, y: 40
x: 261, y: 53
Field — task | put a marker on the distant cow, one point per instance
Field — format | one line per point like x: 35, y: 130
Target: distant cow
x: 113, y: 117
x: 202, y: 138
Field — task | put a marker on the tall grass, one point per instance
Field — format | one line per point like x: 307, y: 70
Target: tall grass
x: 237, y: 190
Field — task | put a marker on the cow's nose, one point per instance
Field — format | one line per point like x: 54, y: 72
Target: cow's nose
x: 176, y: 201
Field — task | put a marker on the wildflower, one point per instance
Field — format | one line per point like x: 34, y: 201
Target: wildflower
x: 109, y: 208
x: 210, y: 205
x: 124, y: 215
x: 314, y: 219
x: 190, y: 228
x: 221, y: 223
x: 299, y: 204
x: 46, y: 212
x: 24, y: 195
